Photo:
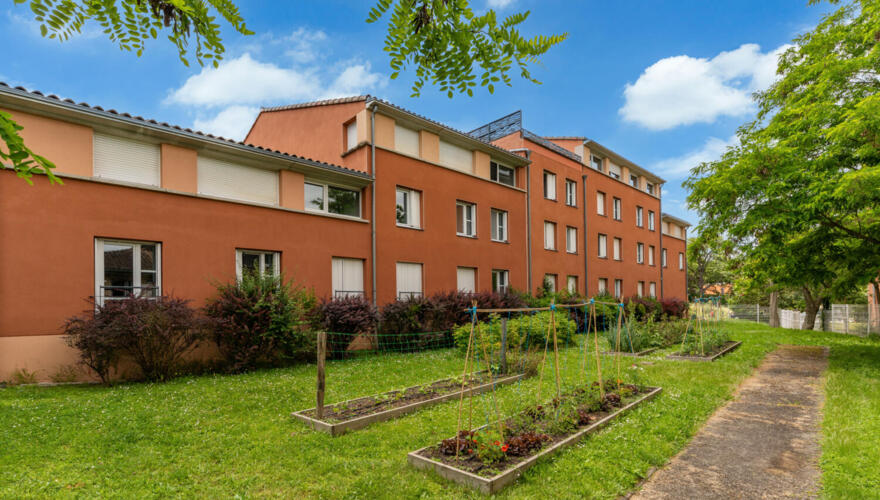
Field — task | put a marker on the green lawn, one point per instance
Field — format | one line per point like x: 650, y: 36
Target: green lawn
x: 225, y: 436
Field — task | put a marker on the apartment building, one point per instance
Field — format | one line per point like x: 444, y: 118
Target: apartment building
x: 350, y: 196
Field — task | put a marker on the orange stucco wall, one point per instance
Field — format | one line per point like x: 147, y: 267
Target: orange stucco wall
x: 292, y: 189
x: 179, y: 168
x: 67, y: 145
x: 316, y: 132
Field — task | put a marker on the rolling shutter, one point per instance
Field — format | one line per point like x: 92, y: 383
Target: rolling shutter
x: 348, y: 277
x: 409, y: 279
x: 406, y: 140
x: 456, y: 157
x: 228, y: 180
x: 467, y: 280
x: 126, y: 160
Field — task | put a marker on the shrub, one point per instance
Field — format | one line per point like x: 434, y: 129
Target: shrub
x: 712, y: 339
x: 674, y: 308
x: 647, y: 334
x: 526, y: 331
x: 154, y: 332
x: 260, y: 319
x: 342, y: 317
x: 643, y: 308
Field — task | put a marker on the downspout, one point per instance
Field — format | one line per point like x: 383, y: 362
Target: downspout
x: 373, y: 198
x: 660, y: 231
x: 528, y: 153
x: 586, y: 259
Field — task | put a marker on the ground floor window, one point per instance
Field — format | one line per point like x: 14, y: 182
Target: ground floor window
x: 127, y: 269
x: 618, y: 288
x: 500, y: 280
x: 603, y: 286
x: 572, y: 284
x: 261, y: 261
x: 409, y: 280
x: 467, y: 279
x: 640, y: 291
x: 550, y: 282
x: 652, y: 289
x: 347, y: 277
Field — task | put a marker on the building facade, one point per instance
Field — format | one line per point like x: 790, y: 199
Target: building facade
x: 347, y: 197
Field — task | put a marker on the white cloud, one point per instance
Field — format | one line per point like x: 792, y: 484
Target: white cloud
x: 684, y: 90
x: 302, y: 44
x: 680, y: 166
x: 233, y: 122
x: 499, y: 4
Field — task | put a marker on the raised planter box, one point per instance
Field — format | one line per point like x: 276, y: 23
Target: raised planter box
x: 632, y: 354
x: 728, y: 347
x: 341, y: 427
x: 494, y: 484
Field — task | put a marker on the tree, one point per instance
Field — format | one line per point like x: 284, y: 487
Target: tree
x: 445, y: 41
x: 799, y: 197
x: 708, y: 264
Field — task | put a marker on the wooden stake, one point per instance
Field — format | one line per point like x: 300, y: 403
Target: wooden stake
x: 503, y: 368
x: 463, y: 381
x: 598, y: 359
x: 322, y: 355
x: 555, y: 349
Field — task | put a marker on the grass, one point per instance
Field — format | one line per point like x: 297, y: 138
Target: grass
x: 224, y: 436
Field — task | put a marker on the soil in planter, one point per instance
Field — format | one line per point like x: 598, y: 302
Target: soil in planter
x: 709, y: 352
x: 368, y: 405
x: 532, y: 430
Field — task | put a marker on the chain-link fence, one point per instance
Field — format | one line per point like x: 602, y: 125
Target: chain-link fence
x: 853, y: 319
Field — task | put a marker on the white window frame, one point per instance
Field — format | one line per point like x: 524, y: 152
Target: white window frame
x: 680, y: 261
x: 473, y: 271
x: 549, y: 185
x: 351, y: 135
x: 570, y: 193
x: 403, y: 294
x: 495, y: 169
x: 650, y: 220
x: 614, y: 171
x: 634, y: 180
x: 571, y: 283
x: 603, y: 246
x: 549, y: 239
x: 594, y: 160
x: 616, y: 247
x: 663, y: 257
x: 326, y: 199
x: 501, y: 280
x: 602, y: 287
x: 413, y: 209
x: 571, y: 239
x: 276, y: 261
x: 651, y: 255
x: 652, y: 289
x: 136, y: 266
x: 551, y: 278
x: 618, y: 288
x: 640, y: 217
x: 601, y: 201
x: 340, y: 293
x: 617, y: 209
x: 498, y: 219
x: 467, y: 207
x: 640, y: 253
x: 649, y: 187
x: 640, y: 289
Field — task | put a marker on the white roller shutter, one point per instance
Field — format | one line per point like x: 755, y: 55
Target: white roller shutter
x: 467, y: 279
x: 455, y: 157
x: 126, y: 160
x: 614, y: 170
x: 229, y: 180
x: 409, y: 279
x: 348, y: 277
x: 406, y: 140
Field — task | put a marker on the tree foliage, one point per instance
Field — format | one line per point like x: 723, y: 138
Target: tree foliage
x: 448, y: 44
x: 799, y: 197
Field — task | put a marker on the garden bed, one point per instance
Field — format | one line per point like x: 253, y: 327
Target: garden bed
x: 467, y: 469
x: 358, y: 413
x: 727, y: 347
x: 632, y: 354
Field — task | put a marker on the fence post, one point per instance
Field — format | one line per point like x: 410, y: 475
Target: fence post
x: 503, y: 345
x: 846, y: 318
x: 758, y: 313
x: 322, y: 355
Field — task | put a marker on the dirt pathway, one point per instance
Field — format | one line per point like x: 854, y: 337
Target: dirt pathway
x: 763, y: 444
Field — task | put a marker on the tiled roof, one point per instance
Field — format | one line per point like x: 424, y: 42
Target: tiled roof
x: 675, y: 219
x: 166, y: 127
x: 369, y: 98
x: 565, y: 138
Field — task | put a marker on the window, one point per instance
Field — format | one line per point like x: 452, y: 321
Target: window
x: 603, y: 246
x: 617, y: 244
x: 499, y: 225
x: 571, y: 193
x: 663, y: 257
x: 571, y: 239
x: 652, y: 289
x: 640, y: 253
x: 500, y: 280
x: 409, y: 280
x: 650, y: 220
x: 600, y: 203
x: 649, y: 188
x: 467, y: 279
x: 640, y: 289
x: 616, y: 214
x: 634, y: 181
x: 406, y: 140
x: 651, y: 255
x: 572, y: 284
x: 409, y: 208
x: 596, y: 163
x: 549, y: 185
x: 640, y: 219
x: 126, y: 269
x: 260, y: 261
x: 126, y: 160
x: 502, y: 174
x: 466, y: 219
x: 680, y: 261
x: 614, y: 170
x: 603, y: 285
x: 618, y: 288
x: 550, y: 282
x: 237, y: 182
x: 332, y: 199
x: 351, y: 135
x: 347, y: 277
x: 549, y: 235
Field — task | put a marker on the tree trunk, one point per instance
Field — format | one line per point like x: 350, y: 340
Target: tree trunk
x: 813, y: 304
x: 874, y: 315
x: 774, y: 309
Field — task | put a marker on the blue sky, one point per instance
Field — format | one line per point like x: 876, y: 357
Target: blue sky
x: 663, y: 83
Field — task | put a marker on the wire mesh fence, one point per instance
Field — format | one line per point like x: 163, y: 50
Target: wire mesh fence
x: 852, y: 319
